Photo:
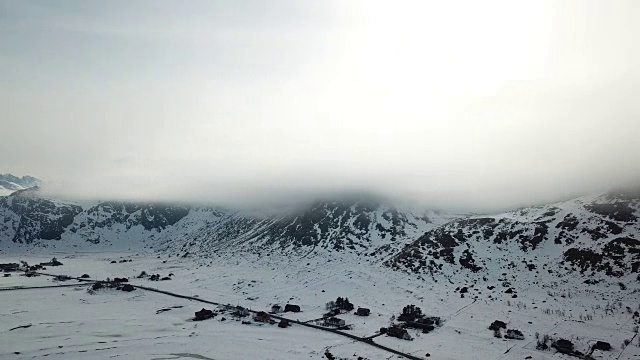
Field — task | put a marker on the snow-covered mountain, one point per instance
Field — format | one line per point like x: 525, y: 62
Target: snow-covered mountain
x: 10, y: 183
x: 29, y: 219
x: 589, y: 235
x: 360, y: 227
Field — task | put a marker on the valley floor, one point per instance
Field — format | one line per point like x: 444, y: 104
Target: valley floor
x: 71, y: 323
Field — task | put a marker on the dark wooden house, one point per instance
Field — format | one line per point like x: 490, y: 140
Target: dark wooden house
x: 399, y: 332
x: 334, y: 321
x: 291, y: 308
x: 363, y: 311
x: 203, y: 314
x: 563, y: 346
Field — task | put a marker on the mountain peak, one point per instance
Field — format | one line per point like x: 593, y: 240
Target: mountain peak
x: 10, y: 183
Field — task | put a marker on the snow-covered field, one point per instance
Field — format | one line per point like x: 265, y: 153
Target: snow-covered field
x: 70, y: 323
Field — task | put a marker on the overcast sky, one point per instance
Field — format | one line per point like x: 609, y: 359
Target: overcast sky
x: 476, y: 104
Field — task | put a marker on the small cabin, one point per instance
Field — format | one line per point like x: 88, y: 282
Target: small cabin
x: 53, y: 262
x: 426, y: 328
x: 363, y: 311
x: 398, y: 332
x: 334, y: 321
x: 601, y: 345
x: 127, y: 288
x: 276, y: 309
x: 9, y: 267
x: 563, y: 346
x: 239, y: 311
x: 203, y: 314
x: 514, y: 334
x: 291, y: 308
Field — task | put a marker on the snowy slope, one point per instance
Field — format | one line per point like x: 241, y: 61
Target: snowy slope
x: 324, y: 228
x: 75, y: 324
x: 588, y: 235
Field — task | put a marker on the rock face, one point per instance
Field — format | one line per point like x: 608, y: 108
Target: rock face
x: 13, y: 183
x: 362, y: 227
x: 26, y: 217
x: 587, y: 235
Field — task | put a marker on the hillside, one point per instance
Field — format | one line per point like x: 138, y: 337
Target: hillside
x: 588, y: 235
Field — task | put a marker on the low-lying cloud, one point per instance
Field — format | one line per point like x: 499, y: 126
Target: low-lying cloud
x: 244, y: 105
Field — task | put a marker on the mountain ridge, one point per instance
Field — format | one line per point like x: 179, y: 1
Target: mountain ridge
x: 593, y: 234
x: 10, y: 183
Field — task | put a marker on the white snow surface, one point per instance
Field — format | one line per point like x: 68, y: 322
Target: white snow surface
x: 70, y: 323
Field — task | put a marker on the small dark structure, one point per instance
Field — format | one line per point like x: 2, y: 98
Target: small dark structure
x: 239, y: 311
x: 334, y: 321
x: 120, y: 280
x: 514, y: 334
x: 85, y: 276
x: 332, y: 312
x: 344, y: 304
x: 497, y: 325
x: 53, y: 262
x: 291, y: 308
x: 563, y: 346
x: 97, y: 286
x: 284, y: 324
x: 426, y: 324
x: 165, y: 278
x: 155, y: 277
x: 276, y: 309
x: 363, y: 311
x: 263, y: 317
x: 398, y: 332
x: 127, y: 288
x: 114, y: 262
x: 601, y: 345
x: 426, y: 328
x: 9, y: 267
x: 203, y: 314
x: 410, y: 313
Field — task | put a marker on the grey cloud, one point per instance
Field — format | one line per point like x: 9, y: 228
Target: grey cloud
x: 250, y: 102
